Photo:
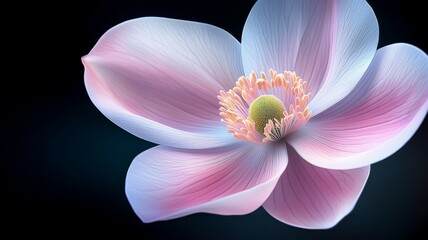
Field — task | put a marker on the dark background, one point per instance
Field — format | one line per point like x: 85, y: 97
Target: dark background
x: 65, y: 163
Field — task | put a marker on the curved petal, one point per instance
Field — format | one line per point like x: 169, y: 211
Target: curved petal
x: 328, y: 43
x: 158, y: 77
x: 377, y: 118
x: 307, y: 196
x: 165, y: 183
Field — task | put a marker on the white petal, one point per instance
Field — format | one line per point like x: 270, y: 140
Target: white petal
x: 165, y: 183
x: 310, y: 197
x: 159, y: 79
x: 328, y: 43
x: 376, y: 119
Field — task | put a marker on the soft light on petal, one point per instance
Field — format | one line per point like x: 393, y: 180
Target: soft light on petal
x: 307, y: 196
x: 377, y: 118
x: 159, y: 78
x: 328, y: 43
x: 165, y: 183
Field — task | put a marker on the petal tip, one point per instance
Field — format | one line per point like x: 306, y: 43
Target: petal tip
x: 87, y: 60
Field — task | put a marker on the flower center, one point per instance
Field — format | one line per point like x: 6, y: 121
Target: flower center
x: 259, y: 110
x: 265, y: 108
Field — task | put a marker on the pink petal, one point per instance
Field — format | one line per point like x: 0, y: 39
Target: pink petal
x: 165, y: 183
x: 377, y: 118
x: 328, y: 43
x: 159, y: 78
x: 307, y: 196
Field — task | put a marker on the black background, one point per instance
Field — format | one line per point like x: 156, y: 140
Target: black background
x: 65, y: 163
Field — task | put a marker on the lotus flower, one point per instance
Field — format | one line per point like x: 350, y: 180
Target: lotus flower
x: 290, y: 119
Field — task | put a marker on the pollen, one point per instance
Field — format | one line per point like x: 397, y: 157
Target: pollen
x: 259, y: 110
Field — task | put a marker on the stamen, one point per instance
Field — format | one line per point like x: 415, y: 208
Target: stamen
x: 287, y: 88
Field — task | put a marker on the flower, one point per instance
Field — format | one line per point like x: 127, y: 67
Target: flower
x: 306, y: 104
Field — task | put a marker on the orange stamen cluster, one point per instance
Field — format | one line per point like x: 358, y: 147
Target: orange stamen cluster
x: 287, y: 87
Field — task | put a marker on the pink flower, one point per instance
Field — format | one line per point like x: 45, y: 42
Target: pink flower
x: 306, y: 104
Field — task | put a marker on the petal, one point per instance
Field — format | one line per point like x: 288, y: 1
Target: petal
x: 159, y: 77
x: 328, y: 43
x: 307, y: 196
x: 377, y: 118
x: 165, y: 183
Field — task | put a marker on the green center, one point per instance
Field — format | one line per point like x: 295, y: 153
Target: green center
x: 265, y: 108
